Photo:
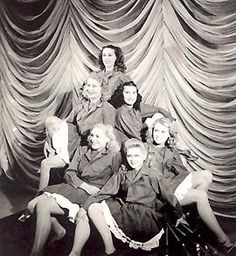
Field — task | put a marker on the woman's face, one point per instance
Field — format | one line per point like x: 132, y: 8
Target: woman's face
x: 135, y: 157
x: 97, y: 139
x: 130, y: 95
x: 108, y: 58
x: 160, y: 134
x: 92, y: 90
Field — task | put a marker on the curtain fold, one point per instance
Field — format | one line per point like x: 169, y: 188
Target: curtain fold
x: 181, y: 54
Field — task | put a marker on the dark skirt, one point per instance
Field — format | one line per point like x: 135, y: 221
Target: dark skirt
x: 75, y: 195
x: 139, y: 223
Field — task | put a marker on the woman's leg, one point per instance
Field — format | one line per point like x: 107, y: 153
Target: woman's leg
x: 96, y: 214
x: 31, y: 205
x: 201, y: 180
x: 201, y: 199
x: 44, y: 209
x: 58, y: 229
x: 46, y: 165
x: 82, y: 233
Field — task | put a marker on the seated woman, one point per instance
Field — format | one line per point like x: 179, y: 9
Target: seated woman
x: 88, y: 171
x: 55, y: 149
x: 92, y: 108
x: 133, y: 204
x: 187, y: 187
x: 131, y: 111
x: 112, y: 68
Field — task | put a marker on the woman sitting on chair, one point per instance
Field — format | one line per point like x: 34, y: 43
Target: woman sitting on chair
x: 92, y: 108
x: 132, y: 205
x: 131, y: 111
x: 187, y: 187
x: 88, y: 171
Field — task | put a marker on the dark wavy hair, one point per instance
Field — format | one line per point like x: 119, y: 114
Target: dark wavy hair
x: 117, y: 99
x: 119, y: 64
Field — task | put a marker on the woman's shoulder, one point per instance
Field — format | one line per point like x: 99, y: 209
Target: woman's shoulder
x: 106, y: 105
x: 122, y: 109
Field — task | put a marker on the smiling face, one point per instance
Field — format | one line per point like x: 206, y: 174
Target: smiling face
x: 97, y: 139
x: 108, y: 58
x: 135, y: 157
x: 130, y: 95
x: 92, y: 90
x: 160, y: 134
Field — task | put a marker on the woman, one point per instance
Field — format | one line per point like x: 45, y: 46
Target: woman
x: 112, y: 68
x: 92, y: 108
x: 131, y: 112
x: 88, y: 171
x: 55, y: 149
x: 135, y: 205
x: 187, y: 187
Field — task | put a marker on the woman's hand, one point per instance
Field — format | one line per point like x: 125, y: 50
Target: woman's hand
x: 90, y: 189
x: 181, y: 221
x: 81, y: 213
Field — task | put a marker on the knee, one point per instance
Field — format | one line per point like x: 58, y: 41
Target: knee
x: 44, y: 165
x: 31, y: 206
x: 201, y: 196
x: 42, y: 206
x: 207, y: 175
x: 94, y: 209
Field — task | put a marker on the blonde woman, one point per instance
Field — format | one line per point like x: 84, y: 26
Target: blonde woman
x: 88, y: 171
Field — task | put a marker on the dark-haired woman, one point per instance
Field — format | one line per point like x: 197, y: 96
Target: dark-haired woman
x: 111, y: 62
x: 130, y: 111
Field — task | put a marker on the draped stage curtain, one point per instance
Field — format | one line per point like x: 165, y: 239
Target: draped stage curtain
x: 181, y: 54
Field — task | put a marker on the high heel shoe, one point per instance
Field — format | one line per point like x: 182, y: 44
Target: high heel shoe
x: 227, y: 246
x: 24, y: 216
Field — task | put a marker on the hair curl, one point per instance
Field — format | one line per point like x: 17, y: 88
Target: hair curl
x: 171, y: 141
x: 117, y: 99
x: 119, y: 64
x: 98, y: 77
x: 112, y: 145
x: 133, y: 143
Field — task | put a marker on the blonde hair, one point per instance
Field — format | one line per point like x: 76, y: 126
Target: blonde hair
x: 170, y: 125
x: 112, y: 145
x: 134, y: 143
x: 99, y: 78
x: 53, y: 122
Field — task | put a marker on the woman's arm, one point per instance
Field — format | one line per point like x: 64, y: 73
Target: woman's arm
x: 109, y: 114
x: 110, y: 189
x: 148, y: 110
x: 126, y: 124
x: 71, y: 173
x: 161, y: 188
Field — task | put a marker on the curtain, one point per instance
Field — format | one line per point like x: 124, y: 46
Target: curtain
x: 180, y: 53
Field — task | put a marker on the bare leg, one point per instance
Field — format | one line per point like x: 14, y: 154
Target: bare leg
x: 30, y: 208
x: 205, y: 211
x: 44, y: 209
x: 82, y: 233
x: 58, y: 229
x: 46, y: 165
x: 202, y: 180
x: 31, y: 205
x: 96, y: 214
